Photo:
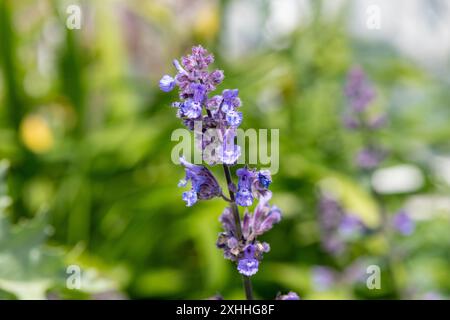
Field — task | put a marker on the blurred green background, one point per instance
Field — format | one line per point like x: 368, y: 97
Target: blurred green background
x: 85, y: 137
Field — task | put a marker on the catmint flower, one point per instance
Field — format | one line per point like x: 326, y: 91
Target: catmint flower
x: 199, y: 60
x: 215, y: 78
x: 199, y: 92
x: 195, y: 82
x: 190, y: 197
x: 246, y: 250
x: 228, y: 151
x: 264, y: 178
x: 190, y: 110
x: 213, y: 104
x: 167, y: 83
x: 193, y: 77
x: 234, y: 118
x: 403, y: 223
x: 248, y: 265
x: 231, y: 100
x: 290, y: 296
x: 204, y: 184
x: 262, y: 220
x: 252, y: 184
x: 244, y: 196
x: 261, y: 184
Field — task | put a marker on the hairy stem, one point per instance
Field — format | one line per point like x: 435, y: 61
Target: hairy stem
x: 237, y: 220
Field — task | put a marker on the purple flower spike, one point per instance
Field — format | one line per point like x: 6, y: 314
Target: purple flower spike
x: 238, y: 240
x: 290, y: 296
x: 167, y: 83
x: 403, y: 223
x: 200, y: 59
x: 193, y: 78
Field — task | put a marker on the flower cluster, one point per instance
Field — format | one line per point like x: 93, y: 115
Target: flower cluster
x: 221, y: 114
x: 252, y: 185
x: 221, y: 111
x: 360, y: 94
x: 246, y: 250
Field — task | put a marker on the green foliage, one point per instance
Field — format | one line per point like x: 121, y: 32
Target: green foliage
x: 96, y: 155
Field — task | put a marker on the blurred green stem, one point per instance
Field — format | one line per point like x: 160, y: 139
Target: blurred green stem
x: 237, y: 220
x: 13, y: 94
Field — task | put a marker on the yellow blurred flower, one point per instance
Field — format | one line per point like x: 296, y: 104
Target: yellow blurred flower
x: 207, y: 22
x: 36, y: 134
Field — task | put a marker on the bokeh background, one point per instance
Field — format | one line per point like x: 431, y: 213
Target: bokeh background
x: 86, y: 175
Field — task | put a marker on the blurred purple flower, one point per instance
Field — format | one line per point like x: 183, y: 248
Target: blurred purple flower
x: 377, y: 122
x: 351, y: 122
x: 350, y: 227
x: 369, y: 158
x: 290, y: 296
x: 403, y: 223
x: 337, y: 226
x: 359, y: 90
x: 323, y: 277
